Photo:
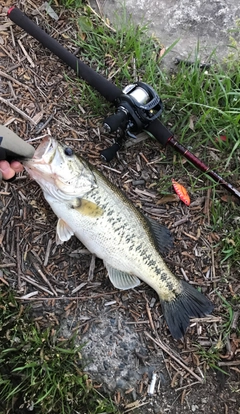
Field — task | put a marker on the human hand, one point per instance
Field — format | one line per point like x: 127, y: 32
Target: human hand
x: 8, y: 171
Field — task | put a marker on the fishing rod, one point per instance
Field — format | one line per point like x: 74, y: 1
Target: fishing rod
x: 138, y: 106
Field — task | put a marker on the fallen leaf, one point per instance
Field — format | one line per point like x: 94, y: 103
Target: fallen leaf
x: 192, y: 120
x: 49, y: 10
x: 5, y: 26
x: 169, y: 198
x: 181, y: 192
x: 4, y: 281
x: 162, y: 51
x: 228, y: 198
x: 133, y: 404
x: 38, y: 117
x: 221, y: 138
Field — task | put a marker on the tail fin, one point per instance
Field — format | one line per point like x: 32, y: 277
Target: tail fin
x: 190, y: 303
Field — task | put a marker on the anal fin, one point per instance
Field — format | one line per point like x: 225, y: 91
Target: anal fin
x: 122, y: 280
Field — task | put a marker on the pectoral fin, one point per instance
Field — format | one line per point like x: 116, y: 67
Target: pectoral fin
x: 122, y: 280
x: 63, y: 232
x: 87, y: 208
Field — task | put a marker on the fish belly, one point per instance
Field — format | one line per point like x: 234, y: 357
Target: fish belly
x: 118, y: 239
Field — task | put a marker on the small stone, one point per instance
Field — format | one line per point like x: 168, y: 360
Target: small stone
x: 152, y: 303
x: 145, y: 175
x: 138, y: 182
x: 125, y: 297
x: 91, y: 368
x: 122, y: 384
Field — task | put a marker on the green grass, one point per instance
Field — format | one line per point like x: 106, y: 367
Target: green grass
x: 211, y: 98
x: 72, y: 4
x: 213, y: 355
x: 201, y: 107
x: 231, y: 246
x: 117, y: 54
x: 39, y: 370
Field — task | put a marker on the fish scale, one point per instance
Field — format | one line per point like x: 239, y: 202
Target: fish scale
x: 118, y: 226
x: 97, y: 212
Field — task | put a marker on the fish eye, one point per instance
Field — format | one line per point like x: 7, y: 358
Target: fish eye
x: 68, y: 151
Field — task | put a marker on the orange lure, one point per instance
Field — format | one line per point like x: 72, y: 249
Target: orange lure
x: 181, y: 192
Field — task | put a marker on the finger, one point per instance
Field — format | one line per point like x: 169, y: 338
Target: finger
x: 16, y: 166
x: 6, y: 170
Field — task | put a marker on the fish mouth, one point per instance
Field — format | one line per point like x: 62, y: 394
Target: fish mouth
x: 46, y: 150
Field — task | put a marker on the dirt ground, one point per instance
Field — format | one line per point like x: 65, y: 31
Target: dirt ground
x: 128, y: 343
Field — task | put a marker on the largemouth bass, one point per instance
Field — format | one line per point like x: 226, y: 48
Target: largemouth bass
x: 107, y: 223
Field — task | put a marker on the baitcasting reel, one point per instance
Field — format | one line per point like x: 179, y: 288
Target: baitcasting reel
x: 137, y: 107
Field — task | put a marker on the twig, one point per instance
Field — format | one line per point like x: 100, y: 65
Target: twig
x: 166, y: 349
x: 190, y: 236
x: 103, y: 20
x: 7, y: 265
x: 49, y: 245
x: 7, y: 53
x: 184, y: 274
x: 181, y: 221
x: 92, y: 268
x: 144, y: 158
x: 7, y: 76
x: 136, y: 405
x: 5, y: 207
x: 144, y: 193
x: 186, y: 386
x: 79, y: 287
x: 25, y: 116
x: 207, y: 204
x: 228, y: 363
x: 136, y: 322
x: 13, y: 38
x: 12, y: 90
x: 29, y: 295
x: 30, y: 280
x: 213, y: 273
x: 18, y: 259
x: 235, y: 319
x: 111, y: 169
x: 26, y: 54
x: 140, y: 137
x: 207, y: 319
x: 99, y: 8
x: 150, y: 316
x: 47, y: 122
x: 38, y: 269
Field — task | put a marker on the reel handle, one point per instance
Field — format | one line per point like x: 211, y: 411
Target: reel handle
x: 109, y: 153
x: 115, y: 121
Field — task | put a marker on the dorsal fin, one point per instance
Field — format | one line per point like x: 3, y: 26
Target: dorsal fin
x: 162, y: 236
